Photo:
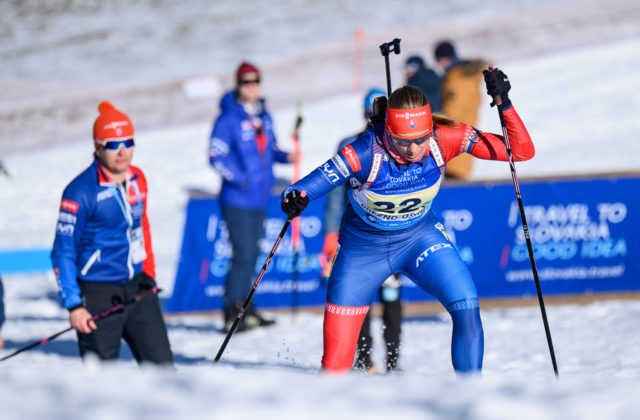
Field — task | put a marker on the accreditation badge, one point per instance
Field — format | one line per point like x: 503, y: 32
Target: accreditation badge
x: 136, y: 242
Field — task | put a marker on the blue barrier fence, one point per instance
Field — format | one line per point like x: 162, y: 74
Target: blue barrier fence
x: 25, y: 260
x: 583, y: 230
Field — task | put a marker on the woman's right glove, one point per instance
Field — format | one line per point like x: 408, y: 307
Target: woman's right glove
x: 497, y: 85
x: 294, y: 202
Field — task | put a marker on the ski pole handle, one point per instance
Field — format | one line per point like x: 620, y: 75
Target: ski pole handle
x: 385, y: 50
x: 392, y: 46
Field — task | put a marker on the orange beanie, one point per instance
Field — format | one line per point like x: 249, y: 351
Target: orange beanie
x: 111, y: 124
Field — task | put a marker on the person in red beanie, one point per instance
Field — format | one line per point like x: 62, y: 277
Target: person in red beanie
x: 395, y: 170
x: 243, y: 150
x: 102, y: 254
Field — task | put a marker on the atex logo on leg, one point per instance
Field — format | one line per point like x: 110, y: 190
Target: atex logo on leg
x: 431, y: 250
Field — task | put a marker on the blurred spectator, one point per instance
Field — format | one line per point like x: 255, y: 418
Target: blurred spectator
x: 389, y: 292
x: 102, y: 254
x: 242, y: 150
x: 461, y: 98
x: 3, y: 170
x: 425, y: 79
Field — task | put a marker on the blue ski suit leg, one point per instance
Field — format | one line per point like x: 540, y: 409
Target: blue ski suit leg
x: 426, y: 256
x: 433, y: 263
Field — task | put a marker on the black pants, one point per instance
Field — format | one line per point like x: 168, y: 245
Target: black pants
x: 392, y: 323
x: 1, y: 303
x: 245, y: 230
x: 140, y: 324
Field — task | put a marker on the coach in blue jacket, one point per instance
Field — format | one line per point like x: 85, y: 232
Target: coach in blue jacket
x: 242, y: 150
x: 102, y: 254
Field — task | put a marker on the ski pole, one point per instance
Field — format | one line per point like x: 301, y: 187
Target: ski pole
x: 295, y: 224
x: 385, y: 49
x: 101, y: 315
x: 527, y: 237
x: 247, y: 300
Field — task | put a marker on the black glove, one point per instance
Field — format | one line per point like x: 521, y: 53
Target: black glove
x: 294, y: 202
x: 146, y: 281
x: 497, y: 85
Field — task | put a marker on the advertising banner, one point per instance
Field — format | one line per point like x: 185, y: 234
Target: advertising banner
x: 583, y: 233
x: 292, y: 279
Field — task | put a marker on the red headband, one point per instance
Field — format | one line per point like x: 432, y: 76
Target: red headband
x: 409, y: 123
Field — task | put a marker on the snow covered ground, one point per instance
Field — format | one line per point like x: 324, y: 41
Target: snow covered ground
x: 581, y: 108
x: 273, y: 373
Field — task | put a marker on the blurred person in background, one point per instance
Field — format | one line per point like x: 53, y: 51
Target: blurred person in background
x: 428, y: 81
x: 242, y: 150
x: 3, y: 171
x: 102, y: 254
x: 461, y: 98
x: 395, y: 170
x: 389, y: 293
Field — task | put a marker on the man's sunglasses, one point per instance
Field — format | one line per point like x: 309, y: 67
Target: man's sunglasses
x: 249, y: 82
x: 408, y: 142
x: 114, y: 145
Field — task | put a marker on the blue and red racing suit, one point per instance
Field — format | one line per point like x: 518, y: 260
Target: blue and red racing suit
x: 388, y: 228
x: 103, y: 233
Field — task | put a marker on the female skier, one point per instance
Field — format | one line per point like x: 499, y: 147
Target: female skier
x: 395, y: 170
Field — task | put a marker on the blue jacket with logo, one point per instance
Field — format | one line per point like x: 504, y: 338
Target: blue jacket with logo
x: 247, y: 175
x: 103, y: 233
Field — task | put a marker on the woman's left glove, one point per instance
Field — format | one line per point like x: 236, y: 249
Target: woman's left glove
x: 294, y: 202
x: 497, y: 85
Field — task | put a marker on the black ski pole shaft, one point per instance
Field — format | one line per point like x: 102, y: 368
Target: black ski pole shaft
x: 385, y: 49
x: 96, y: 317
x: 295, y: 226
x: 527, y: 236
x: 247, y: 300
x: 388, y: 72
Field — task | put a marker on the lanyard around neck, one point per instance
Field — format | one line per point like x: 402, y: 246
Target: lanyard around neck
x: 122, y: 198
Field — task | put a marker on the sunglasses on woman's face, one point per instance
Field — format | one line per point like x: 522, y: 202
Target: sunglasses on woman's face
x: 114, y: 145
x: 249, y: 81
x: 408, y: 142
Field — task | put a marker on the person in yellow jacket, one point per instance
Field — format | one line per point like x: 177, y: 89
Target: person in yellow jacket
x: 461, y: 98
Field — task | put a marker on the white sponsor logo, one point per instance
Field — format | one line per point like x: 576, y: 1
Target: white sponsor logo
x: 115, y: 124
x: 375, y: 168
x: 67, y: 218
x: 66, y: 229
x: 218, y: 148
x: 340, y: 165
x: 103, y: 195
x: 435, y: 150
x: 310, y: 226
x: 408, y: 115
x: 431, y: 250
x: 333, y: 177
x: 223, y: 171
